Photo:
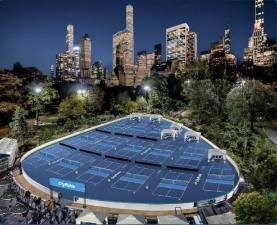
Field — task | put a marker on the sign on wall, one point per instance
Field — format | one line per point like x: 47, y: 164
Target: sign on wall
x: 67, y: 184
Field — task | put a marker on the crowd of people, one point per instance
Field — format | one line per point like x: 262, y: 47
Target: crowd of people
x: 37, y: 211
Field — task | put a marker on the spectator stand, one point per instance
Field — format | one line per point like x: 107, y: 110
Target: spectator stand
x: 191, y: 136
x: 216, y: 154
x: 168, y: 133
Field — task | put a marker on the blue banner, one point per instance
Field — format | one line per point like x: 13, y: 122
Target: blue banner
x: 67, y: 184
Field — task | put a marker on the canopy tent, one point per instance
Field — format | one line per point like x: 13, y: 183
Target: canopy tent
x: 191, y: 135
x: 130, y: 219
x: 166, y: 133
x: 176, y: 126
x: 214, y: 154
x: 8, y: 146
x: 91, y: 217
x: 155, y: 117
x: 136, y: 116
x: 170, y: 219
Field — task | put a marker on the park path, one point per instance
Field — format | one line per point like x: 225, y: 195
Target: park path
x: 271, y: 134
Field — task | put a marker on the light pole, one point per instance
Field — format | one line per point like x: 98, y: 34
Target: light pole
x: 146, y: 89
x: 37, y: 91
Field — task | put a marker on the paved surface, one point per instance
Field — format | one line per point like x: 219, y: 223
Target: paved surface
x: 272, y: 134
x: 126, y: 161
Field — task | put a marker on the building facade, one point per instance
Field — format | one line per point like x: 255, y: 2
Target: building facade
x: 181, y: 44
x: 158, y: 53
x: 260, y: 50
x: 85, y: 59
x: 76, y: 57
x: 66, y: 62
x: 123, y: 41
x: 221, y: 51
x: 69, y: 39
x: 65, y: 69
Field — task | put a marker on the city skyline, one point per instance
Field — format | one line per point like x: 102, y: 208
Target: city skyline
x: 37, y: 46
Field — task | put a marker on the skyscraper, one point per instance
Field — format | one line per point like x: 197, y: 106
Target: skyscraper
x: 85, y: 58
x: 125, y: 39
x: 259, y: 37
x: 158, y: 53
x: 69, y: 39
x: 260, y: 50
x: 181, y: 44
x: 76, y: 57
x: 227, y: 40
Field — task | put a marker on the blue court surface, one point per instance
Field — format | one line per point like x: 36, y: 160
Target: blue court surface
x: 126, y: 161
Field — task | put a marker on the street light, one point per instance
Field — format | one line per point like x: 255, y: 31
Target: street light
x: 146, y: 89
x: 81, y: 92
x: 37, y: 91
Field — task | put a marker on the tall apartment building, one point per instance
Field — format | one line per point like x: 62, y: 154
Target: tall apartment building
x: 66, y: 63
x: 181, y: 44
x: 76, y: 57
x: 125, y: 39
x: 158, y: 53
x: 260, y: 50
x: 65, y: 67
x: 227, y: 40
x: 69, y: 39
x: 85, y: 58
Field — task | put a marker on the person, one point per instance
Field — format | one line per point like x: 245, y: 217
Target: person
x: 27, y: 196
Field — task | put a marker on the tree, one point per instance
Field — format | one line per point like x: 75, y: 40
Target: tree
x: 248, y: 101
x: 196, y: 71
x: 266, y: 173
x: 94, y: 100
x: 72, y: 108
x: 117, y: 104
x: 202, y: 98
x: 7, y: 110
x: 141, y: 104
x: 130, y: 107
x: 37, y: 101
x: 253, y: 208
x: 18, y: 125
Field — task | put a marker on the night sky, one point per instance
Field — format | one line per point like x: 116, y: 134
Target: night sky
x: 33, y: 31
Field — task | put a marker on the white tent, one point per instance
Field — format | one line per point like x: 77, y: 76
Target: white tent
x: 177, y: 127
x: 170, y: 219
x: 191, y: 135
x: 9, y: 147
x: 136, y: 116
x: 91, y: 217
x: 214, y: 154
x: 165, y: 133
x: 155, y: 117
x: 130, y: 219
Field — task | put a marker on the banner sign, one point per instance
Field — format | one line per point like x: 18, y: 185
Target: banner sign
x: 67, y: 184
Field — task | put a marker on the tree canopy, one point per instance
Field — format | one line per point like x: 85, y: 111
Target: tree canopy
x: 18, y: 125
x: 254, y: 208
